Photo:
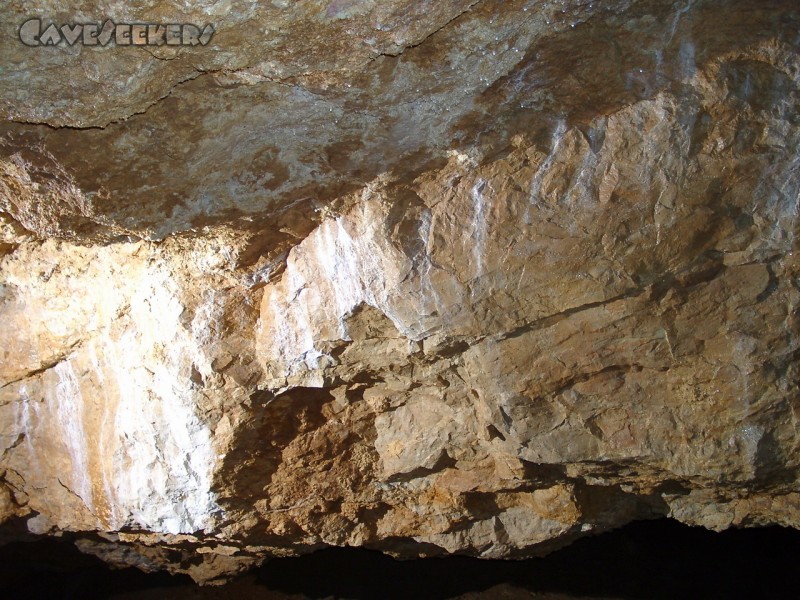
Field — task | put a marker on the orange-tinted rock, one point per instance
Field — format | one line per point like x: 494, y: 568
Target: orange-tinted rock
x: 479, y: 278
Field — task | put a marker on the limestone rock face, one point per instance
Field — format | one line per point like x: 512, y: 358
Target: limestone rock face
x: 423, y: 277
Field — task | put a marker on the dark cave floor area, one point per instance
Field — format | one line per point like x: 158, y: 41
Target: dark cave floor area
x: 648, y: 559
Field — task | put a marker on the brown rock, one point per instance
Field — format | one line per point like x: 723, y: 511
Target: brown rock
x: 477, y: 278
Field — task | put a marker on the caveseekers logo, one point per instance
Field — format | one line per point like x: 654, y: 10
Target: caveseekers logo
x: 34, y: 33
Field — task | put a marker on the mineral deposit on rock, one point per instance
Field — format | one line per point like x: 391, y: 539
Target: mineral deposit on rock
x: 473, y: 277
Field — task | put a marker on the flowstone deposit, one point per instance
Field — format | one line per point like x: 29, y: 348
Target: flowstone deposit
x: 453, y: 277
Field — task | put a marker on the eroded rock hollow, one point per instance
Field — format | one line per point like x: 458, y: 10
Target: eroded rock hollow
x: 472, y: 277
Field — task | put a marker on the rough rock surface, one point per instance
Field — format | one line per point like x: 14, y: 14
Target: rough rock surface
x: 473, y: 277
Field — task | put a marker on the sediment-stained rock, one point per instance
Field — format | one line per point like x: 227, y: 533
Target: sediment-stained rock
x: 457, y: 277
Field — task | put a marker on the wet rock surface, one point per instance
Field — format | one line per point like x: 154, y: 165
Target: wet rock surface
x: 428, y: 278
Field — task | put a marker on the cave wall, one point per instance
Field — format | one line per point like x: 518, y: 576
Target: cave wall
x: 453, y: 277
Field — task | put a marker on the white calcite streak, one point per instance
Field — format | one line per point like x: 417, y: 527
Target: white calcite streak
x: 345, y: 263
x: 69, y: 413
x: 163, y: 460
x: 120, y: 411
